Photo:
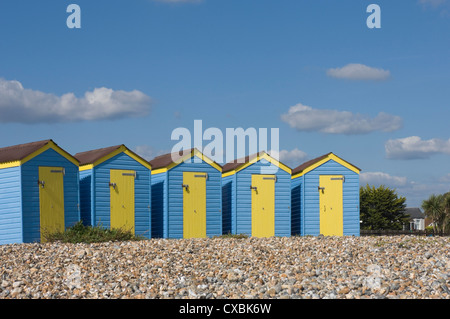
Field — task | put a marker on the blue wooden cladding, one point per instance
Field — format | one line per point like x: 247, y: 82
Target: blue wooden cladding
x: 237, y: 194
x: 20, y: 211
x: 95, y: 170
x: 11, y: 226
x: 305, y: 194
x: 167, y: 193
x: 159, y: 194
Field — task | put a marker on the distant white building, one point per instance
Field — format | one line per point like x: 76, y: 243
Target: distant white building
x: 416, y: 219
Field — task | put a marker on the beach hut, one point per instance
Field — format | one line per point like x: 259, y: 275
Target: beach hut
x: 39, y: 191
x: 115, y: 189
x: 325, y: 197
x: 186, y: 195
x: 256, y: 194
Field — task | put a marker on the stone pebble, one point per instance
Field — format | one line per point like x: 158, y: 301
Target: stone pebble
x: 393, y: 267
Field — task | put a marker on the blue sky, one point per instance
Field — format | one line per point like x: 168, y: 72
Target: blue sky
x: 136, y: 70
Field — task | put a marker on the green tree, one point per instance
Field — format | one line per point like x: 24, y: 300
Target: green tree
x: 446, y: 220
x: 437, y: 207
x: 381, y: 208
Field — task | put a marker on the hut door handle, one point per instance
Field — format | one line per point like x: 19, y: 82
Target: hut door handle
x: 320, y: 189
x: 113, y: 185
x: 253, y: 187
x: 185, y: 186
x: 42, y: 183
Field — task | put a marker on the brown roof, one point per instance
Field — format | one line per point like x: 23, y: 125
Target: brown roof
x: 89, y: 157
x: 19, y: 152
x: 307, y: 164
x: 167, y: 159
x: 238, y: 162
x: 301, y: 167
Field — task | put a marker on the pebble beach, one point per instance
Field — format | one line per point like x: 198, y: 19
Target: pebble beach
x: 393, y: 267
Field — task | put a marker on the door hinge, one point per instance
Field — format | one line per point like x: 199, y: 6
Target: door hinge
x: 130, y: 174
x: 63, y: 171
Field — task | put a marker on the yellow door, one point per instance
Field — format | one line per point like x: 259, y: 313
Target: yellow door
x: 194, y: 204
x: 51, y: 200
x: 331, y: 205
x: 263, y: 205
x: 122, y: 199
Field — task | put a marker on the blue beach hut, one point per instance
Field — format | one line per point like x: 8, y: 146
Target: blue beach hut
x: 186, y: 195
x: 325, y: 197
x: 39, y: 191
x: 256, y: 194
x: 115, y: 189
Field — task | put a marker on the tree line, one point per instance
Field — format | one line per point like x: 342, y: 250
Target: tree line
x: 381, y: 208
x: 437, y: 207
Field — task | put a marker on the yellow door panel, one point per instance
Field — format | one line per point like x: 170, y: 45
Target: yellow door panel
x: 194, y: 204
x: 263, y: 205
x: 331, y: 205
x: 122, y: 199
x: 51, y: 200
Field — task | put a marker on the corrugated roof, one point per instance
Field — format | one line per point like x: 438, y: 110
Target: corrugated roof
x: 19, y: 152
x: 89, y: 157
x: 169, y: 158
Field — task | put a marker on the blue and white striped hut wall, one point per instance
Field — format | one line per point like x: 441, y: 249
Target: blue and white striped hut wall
x: 115, y: 189
x: 39, y: 191
x: 256, y: 194
x: 186, y: 195
x: 319, y: 186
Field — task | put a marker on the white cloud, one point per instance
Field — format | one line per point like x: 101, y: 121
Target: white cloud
x: 414, y: 192
x: 306, y: 118
x: 21, y: 105
x: 414, y: 147
x: 355, y: 71
x: 380, y: 178
x: 292, y: 158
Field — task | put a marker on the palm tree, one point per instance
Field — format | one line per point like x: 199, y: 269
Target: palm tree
x: 434, y: 209
x: 446, y: 217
